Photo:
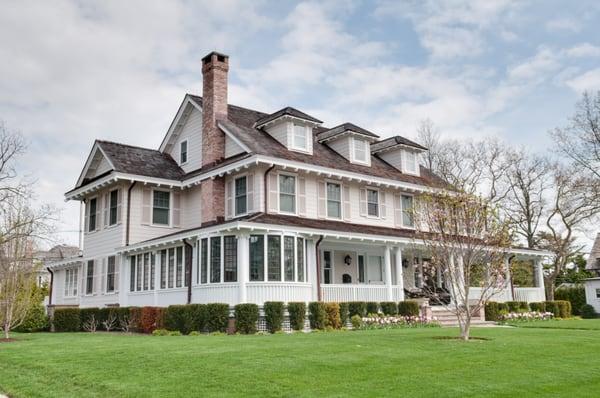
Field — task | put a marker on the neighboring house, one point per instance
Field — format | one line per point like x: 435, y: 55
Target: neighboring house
x: 239, y: 206
x: 592, y: 285
x: 47, y: 257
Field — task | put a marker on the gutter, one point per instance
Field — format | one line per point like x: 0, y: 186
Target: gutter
x: 319, y: 298
x: 266, y: 191
x: 188, y: 264
x: 51, y: 286
x: 128, y: 212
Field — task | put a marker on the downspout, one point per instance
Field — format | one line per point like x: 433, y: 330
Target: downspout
x: 319, y: 298
x: 512, y: 286
x: 188, y: 265
x: 128, y: 212
x: 51, y: 286
x: 265, y: 186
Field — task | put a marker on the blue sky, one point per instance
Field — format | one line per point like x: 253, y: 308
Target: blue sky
x: 74, y: 71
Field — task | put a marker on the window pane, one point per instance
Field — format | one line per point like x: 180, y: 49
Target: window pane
x: 327, y: 267
x: 240, y: 195
x: 89, y: 288
x: 163, y: 269
x: 92, y: 215
x: 361, y: 269
x: 138, y: 273
x: 152, y: 270
x: 215, y: 259
x: 360, y: 150
x: 132, y: 273
x: 373, y: 203
x: 183, y: 152
x: 287, y: 184
x: 274, y: 257
x: 300, y: 260
x: 334, y: 200
x: 230, y: 258
x: 257, y: 258
x: 288, y: 258
x: 160, y: 210
x: 110, y: 275
x: 160, y: 216
x: 300, y: 137
x: 171, y: 269
x: 407, y: 211
x: 204, y: 261
x: 287, y: 203
x: 113, y: 207
x: 146, y: 271
x: 179, y: 268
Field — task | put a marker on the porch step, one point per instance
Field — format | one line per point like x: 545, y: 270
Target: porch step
x: 448, y: 318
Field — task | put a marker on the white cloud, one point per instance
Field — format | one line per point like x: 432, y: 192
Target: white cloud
x: 563, y: 24
x: 545, y: 60
x: 589, y: 81
x: 584, y: 50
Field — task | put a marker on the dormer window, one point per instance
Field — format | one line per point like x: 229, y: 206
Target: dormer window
x: 410, y: 163
x: 359, y: 151
x: 183, y: 152
x: 300, y: 139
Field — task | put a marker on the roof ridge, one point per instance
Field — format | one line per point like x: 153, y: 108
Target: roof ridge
x: 127, y: 145
x: 231, y: 105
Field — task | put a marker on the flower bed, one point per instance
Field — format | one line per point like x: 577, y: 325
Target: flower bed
x: 393, y: 322
x: 526, y: 316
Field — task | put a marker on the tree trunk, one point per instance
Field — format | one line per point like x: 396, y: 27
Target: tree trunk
x: 549, y: 285
x: 6, y: 331
x: 465, y: 329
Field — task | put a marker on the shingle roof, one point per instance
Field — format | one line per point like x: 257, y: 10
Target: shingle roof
x: 393, y: 141
x: 328, y: 134
x: 592, y: 262
x: 286, y: 111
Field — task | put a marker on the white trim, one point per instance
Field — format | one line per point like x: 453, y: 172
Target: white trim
x: 293, y: 146
x: 286, y: 117
x: 176, y: 124
x: 88, y: 162
x: 353, y: 159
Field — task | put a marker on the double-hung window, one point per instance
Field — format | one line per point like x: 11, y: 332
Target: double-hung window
x: 110, y: 275
x: 160, y: 208
x: 92, y: 214
x: 334, y: 200
x: 183, y: 152
x: 360, y: 150
x: 113, y: 205
x: 407, y: 211
x: 241, y: 204
x: 300, y: 139
x: 89, y: 279
x: 287, y: 193
x: 410, y: 162
x: 71, y: 278
x: 373, y: 203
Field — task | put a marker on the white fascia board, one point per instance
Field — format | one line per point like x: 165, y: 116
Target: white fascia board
x: 529, y: 253
x: 175, y: 123
x: 66, y: 263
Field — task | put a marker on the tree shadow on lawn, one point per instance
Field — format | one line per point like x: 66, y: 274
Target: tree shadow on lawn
x: 458, y: 338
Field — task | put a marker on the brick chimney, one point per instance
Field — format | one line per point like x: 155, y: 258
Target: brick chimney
x: 214, y: 107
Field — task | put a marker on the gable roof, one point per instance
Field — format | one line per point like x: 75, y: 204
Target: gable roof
x: 343, y: 128
x: 392, y: 142
x: 592, y: 262
x: 286, y: 111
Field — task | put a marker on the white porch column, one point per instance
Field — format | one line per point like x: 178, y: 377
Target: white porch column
x: 439, y: 276
x: 311, y: 268
x: 243, y: 257
x: 509, y: 294
x: 387, y: 258
x: 539, y: 277
x: 399, y: 274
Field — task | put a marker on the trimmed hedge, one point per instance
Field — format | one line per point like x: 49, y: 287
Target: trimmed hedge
x: 409, y: 308
x: 217, y: 317
x: 357, y: 308
x: 344, y: 313
x: 317, y: 315
x: 538, y: 307
x: 246, y: 317
x: 151, y: 319
x: 575, y: 295
x: 553, y: 307
x: 372, y: 307
x: 588, y: 312
x: 389, y: 308
x: 273, y: 315
x: 66, y: 320
x: 564, y: 308
x: 333, y: 315
x: 178, y: 318
x: 493, y: 310
x: 198, y: 314
x: 297, y: 315
x: 517, y: 306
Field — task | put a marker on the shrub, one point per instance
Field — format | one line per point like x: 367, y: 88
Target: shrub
x: 194, y: 333
x: 494, y: 311
x: 357, y: 308
x: 333, y: 315
x: 160, y: 332
x: 273, y: 315
x: 150, y: 319
x: 575, y: 295
x: 197, y: 316
x: 356, y: 321
x: 135, y: 316
x: 36, y: 320
x: 246, y: 316
x: 175, y: 333
x: 409, y: 308
x: 217, y: 317
x: 66, y: 320
x: 178, y: 317
x: 517, y: 306
x: 344, y: 314
x: 538, y: 307
x: 564, y: 308
x: 372, y: 307
x: 297, y: 315
x: 552, y: 306
x: 389, y: 308
x: 587, y: 311
x: 85, y: 317
x: 317, y: 315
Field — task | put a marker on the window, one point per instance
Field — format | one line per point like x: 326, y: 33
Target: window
x: 89, y: 280
x: 274, y: 257
x: 114, y: 198
x: 300, y: 259
x: 110, y: 275
x: 215, y: 259
x: 160, y: 208
x: 163, y: 269
x: 132, y: 273
x: 240, y: 196
x: 146, y: 271
x: 598, y: 293
x: 71, y: 278
x: 407, y: 211
x: 204, y: 260
x: 139, y: 273
x: 300, y: 140
x: 187, y: 266
x: 179, y: 269
x: 171, y: 268
x: 152, y: 270
x: 287, y: 193
x: 183, y: 152
x: 410, y: 162
x: 230, y: 258
x: 361, y: 269
x: 288, y: 258
x: 92, y: 215
x: 373, y: 203
x: 257, y: 258
x: 334, y: 200
x: 327, y: 267
x: 360, y: 150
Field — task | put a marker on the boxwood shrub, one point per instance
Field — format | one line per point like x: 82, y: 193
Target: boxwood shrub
x: 178, y: 317
x: 66, y: 320
x: 273, y: 315
x: 564, y: 308
x: 357, y: 308
x: 588, y: 312
x: 297, y: 315
x: 217, y: 317
x: 372, y: 307
x: 317, y: 315
x: 344, y: 314
x: 517, y: 306
x: 36, y: 320
x: 197, y: 314
x: 389, y: 308
x: 493, y: 310
x: 409, y: 308
x: 246, y: 317
x: 553, y: 307
x: 333, y: 315
x: 538, y: 307
x: 575, y: 295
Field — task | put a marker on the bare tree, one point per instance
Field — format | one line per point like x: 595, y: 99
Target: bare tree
x: 111, y: 321
x: 91, y: 324
x: 429, y: 136
x: 469, y: 242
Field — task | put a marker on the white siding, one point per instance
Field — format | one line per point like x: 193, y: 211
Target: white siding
x: 231, y: 148
x: 590, y: 293
x: 192, y: 132
x: 280, y: 132
x: 138, y: 231
x: 105, y: 239
x: 191, y: 203
x: 395, y: 158
x: 341, y: 146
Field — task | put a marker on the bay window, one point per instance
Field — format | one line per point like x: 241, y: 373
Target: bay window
x: 204, y: 260
x: 163, y: 269
x: 257, y: 258
x: 300, y: 259
x: 230, y: 258
x: 274, y: 257
x: 287, y: 193
x: 288, y: 258
x: 171, y: 268
x: 179, y: 267
x: 215, y: 259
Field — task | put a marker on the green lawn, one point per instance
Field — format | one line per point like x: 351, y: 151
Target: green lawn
x: 403, y: 362
x: 583, y: 324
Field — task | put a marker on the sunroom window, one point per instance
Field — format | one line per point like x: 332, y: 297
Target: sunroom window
x: 230, y: 258
x: 257, y: 258
x: 274, y: 257
x: 287, y: 193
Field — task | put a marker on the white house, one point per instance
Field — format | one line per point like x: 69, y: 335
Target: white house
x: 241, y: 206
x: 592, y: 285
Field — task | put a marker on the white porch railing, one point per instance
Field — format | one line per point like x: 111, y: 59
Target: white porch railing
x: 527, y: 294
x: 218, y: 293
x: 349, y: 292
x: 258, y: 292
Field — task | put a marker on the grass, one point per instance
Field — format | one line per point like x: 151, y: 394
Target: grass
x: 581, y: 324
x: 407, y: 362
